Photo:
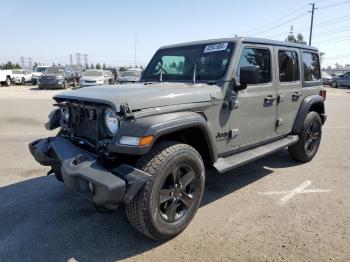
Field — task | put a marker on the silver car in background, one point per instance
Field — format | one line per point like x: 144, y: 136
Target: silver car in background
x: 38, y: 71
x: 94, y: 77
x: 129, y: 76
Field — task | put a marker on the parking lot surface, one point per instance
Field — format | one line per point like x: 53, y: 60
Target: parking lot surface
x: 271, y: 210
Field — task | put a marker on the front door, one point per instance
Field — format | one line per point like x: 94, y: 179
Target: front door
x: 289, y: 91
x: 253, y: 117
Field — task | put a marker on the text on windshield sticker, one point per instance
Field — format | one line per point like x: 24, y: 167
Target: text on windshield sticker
x: 215, y: 47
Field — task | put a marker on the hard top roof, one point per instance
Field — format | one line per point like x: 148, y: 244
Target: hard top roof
x: 250, y: 40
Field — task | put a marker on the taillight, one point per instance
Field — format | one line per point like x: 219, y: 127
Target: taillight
x: 323, y: 94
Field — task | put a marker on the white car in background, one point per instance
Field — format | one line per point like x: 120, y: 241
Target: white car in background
x: 94, y: 77
x: 5, y: 77
x: 130, y: 76
x: 38, y: 71
x: 21, y: 76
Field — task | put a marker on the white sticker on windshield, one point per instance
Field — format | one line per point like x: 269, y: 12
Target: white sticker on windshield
x: 215, y: 47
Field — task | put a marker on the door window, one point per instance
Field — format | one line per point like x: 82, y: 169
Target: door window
x: 257, y: 57
x: 288, y: 66
x: 311, y: 66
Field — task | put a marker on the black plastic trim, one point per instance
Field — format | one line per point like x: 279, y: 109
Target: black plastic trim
x: 306, y: 104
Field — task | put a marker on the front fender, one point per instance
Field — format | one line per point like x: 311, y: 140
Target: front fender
x: 158, y: 126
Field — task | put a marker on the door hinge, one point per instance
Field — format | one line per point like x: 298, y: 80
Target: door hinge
x: 279, y: 122
x: 233, y: 133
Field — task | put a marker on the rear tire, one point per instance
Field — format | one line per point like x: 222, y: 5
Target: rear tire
x: 23, y: 81
x: 309, y: 139
x: 334, y: 84
x: 168, y: 201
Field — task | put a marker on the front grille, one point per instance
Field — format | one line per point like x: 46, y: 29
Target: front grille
x: 90, y: 81
x: 86, y: 123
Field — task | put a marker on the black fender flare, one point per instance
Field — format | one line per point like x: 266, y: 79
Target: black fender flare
x: 306, y: 105
x: 158, y: 126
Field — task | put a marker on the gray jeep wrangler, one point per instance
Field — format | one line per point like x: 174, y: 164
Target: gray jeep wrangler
x: 210, y: 104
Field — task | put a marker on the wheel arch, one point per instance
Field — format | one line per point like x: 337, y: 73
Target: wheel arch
x: 186, y: 127
x: 310, y: 103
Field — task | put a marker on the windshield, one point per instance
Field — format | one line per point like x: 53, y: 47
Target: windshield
x: 17, y: 72
x: 179, y: 63
x: 92, y: 73
x: 131, y: 73
x: 55, y: 70
x: 40, y: 69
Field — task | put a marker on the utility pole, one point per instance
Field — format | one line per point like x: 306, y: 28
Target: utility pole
x: 22, y: 61
x: 78, y: 55
x: 85, y: 57
x: 135, y: 47
x: 312, y: 20
x: 30, y: 63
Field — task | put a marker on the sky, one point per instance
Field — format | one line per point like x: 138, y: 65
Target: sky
x: 49, y: 31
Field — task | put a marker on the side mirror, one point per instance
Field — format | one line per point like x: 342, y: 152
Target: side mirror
x: 249, y: 75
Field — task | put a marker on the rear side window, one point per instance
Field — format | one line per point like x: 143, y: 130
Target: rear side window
x: 311, y: 64
x: 288, y: 66
x: 257, y: 57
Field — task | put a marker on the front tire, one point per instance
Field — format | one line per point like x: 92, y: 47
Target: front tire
x: 309, y: 139
x: 334, y: 84
x: 23, y: 81
x: 169, y: 200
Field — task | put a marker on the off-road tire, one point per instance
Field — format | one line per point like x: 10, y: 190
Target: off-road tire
x: 334, y: 84
x: 143, y: 212
x: 298, y: 151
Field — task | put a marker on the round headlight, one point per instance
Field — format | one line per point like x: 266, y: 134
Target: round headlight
x: 111, y: 121
x: 65, y: 114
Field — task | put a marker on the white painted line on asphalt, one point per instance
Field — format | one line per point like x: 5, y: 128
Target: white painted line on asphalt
x: 291, y: 193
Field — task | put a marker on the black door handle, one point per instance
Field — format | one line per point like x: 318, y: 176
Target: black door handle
x: 297, y: 94
x: 270, y: 98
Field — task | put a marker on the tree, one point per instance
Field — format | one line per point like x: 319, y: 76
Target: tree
x: 122, y: 68
x: 92, y: 66
x: 98, y: 66
x: 299, y: 39
x: 86, y: 66
x: 322, y: 54
x: 35, y: 65
x: 104, y: 66
x: 10, y: 65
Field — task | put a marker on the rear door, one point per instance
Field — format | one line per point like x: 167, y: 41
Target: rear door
x: 289, y: 87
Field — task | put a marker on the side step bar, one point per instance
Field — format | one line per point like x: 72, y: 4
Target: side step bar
x: 224, y: 164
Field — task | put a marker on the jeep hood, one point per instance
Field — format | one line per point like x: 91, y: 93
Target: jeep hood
x: 141, y: 96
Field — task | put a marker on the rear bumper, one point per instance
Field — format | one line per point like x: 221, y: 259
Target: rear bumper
x: 82, y: 172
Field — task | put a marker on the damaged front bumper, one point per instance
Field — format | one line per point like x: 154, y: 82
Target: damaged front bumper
x: 82, y: 172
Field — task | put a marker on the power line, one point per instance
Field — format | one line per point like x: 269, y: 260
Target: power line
x: 274, y: 21
x: 279, y: 25
x: 334, y: 40
x: 335, y: 4
x: 332, y: 32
